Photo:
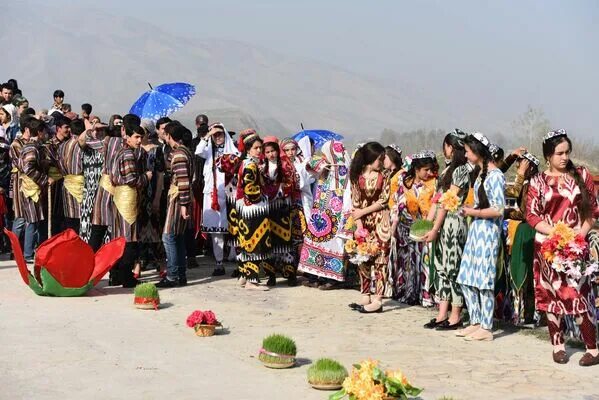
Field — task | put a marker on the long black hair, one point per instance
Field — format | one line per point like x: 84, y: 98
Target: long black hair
x: 483, y: 152
x: 417, y: 163
x: 275, y: 146
x: 549, y: 146
x: 458, y: 158
x: 364, y: 156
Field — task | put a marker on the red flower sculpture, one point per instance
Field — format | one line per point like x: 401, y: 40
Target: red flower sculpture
x: 65, y: 265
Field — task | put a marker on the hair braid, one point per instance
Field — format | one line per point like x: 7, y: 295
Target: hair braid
x: 585, y: 206
x: 483, y: 200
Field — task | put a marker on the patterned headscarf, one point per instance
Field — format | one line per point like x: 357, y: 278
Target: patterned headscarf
x: 288, y: 141
x: 244, y: 137
x: 335, y: 154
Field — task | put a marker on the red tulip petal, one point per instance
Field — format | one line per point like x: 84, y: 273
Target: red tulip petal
x: 16, y: 249
x: 67, y: 258
x: 106, y: 257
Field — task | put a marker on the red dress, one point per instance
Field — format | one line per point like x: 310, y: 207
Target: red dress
x: 552, y: 200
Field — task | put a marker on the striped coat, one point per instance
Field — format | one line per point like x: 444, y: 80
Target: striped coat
x: 181, y: 170
x: 70, y: 162
x: 102, y: 212
x: 15, y: 194
x: 29, y: 165
x: 49, y: 152
x: 126, y: 171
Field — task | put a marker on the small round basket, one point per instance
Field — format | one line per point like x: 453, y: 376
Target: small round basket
x: 205, y: 330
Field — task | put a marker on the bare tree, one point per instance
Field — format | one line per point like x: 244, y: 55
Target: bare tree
x: 531, y: 125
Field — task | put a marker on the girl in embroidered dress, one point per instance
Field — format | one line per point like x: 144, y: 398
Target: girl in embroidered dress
x: 449, y: 234
x: 479, y: 259
x: 393, y: 169
x: 252, y: 223
x: 370, y: 200
x: 563, y: 193
x: 412, y: 201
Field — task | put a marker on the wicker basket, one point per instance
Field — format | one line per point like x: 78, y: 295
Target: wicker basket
x: 205, y: 330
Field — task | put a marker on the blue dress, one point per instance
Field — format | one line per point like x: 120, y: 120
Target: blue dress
x: 479, y: 261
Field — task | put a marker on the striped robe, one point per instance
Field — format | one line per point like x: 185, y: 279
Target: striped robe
x: 49, y: 151
x: 109, y: 146
x: 70, y: 158
x: 29, y: 165
x: 181, y: 169
x: 126, y: 171
x: 15, y: 194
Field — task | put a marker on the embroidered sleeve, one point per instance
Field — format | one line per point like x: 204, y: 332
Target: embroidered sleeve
x: 251, y: 184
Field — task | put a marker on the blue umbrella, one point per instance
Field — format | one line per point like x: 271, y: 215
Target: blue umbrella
x: 318, y: 136
x: 163, y: 100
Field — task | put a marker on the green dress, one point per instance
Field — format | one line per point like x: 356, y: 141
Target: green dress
x: 448, y: 248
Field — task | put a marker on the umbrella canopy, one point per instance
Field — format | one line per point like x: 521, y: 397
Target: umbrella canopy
x: 318, y: 136
x: 162, y: 100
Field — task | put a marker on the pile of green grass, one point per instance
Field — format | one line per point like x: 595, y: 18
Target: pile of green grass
x: 146, y: 290
x: 279, y: 344
x: 420, y: 227
x: 326, y: 371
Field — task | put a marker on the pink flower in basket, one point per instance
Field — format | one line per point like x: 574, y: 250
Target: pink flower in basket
x: 199, y: 317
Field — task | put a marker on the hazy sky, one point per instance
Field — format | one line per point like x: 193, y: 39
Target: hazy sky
x: 503, y: 55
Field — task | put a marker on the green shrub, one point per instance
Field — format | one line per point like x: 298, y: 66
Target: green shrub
x: 326, y: 371
x: 146, y: 290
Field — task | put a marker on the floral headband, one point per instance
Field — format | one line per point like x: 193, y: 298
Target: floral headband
x: 531, y: 158
x: 552, y: 134
x: 396, y: 148
x: 482, y: 139
x: 493, y: 149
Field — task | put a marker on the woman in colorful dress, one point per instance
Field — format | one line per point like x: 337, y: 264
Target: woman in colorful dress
x: 281, y: 190
x: 413, y: 201
x: 370, y: 200
x: 479, y: 259
x: 252, y: 223
x: 563, y: 193
x: 449, y: 235
x: 321, y: 257
x: 393, y: 168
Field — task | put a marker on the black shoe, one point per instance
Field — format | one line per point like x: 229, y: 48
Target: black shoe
x: 165, y: 283
x: 235, y: 273
x: 192, y: 263
x: 355, y: 306
x: 446, y: 326
x: 219, y: 271
x: 365, y: 311
x: 327, y: 286
x: 114, y: 281
x: 432, y: 324
x: 272, y: 281
x: 292, y: 282
x: 182, y: 281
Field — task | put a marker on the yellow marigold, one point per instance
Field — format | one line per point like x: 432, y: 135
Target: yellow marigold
x: 548, y: 256
x: 350, y: 224
x: 397, y: 374
x: 350, y: 246
x: 565, y: 233
x: 450, y: 200
x: 378, y: 392
x: 363, y: 248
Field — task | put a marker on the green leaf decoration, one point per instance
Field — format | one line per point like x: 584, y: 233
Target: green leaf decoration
x: 52, y: 287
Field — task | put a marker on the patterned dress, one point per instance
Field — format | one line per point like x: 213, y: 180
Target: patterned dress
x: 322, y: 253
x: 409, y: 270
x: 149, y: 224
x: 365, y: 193
x: 479, y: 259
x: 447, y: 250
x: 92, y: 172
x: 103, y: 207
x: 552, y: 200
x: 253, y: 227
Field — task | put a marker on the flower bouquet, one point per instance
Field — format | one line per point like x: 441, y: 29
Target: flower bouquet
x: 363, y: 247
x: 326, y: 374
x: 367, y: 381
x: 146, y: 296
x: 278, y: 351
x: 419, y: 228
x: 566, y: 251
x: 450, y: 201
x: 203, y: 322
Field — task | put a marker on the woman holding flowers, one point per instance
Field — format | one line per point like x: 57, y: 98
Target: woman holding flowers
x: 370, y: 197
x: 479, y: 260
x: 413, y: 201
x: 561, y: 204
x: 449, y: 232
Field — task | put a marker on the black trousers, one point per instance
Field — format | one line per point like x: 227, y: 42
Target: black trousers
x: 121, y: 273
x: 71, y: 223
x: 96, y: 238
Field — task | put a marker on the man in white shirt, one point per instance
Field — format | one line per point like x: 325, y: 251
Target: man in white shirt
x: 58, y: 100
x: 6, y: 102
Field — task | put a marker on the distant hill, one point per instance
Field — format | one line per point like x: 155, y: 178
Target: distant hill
x: 107, y: 60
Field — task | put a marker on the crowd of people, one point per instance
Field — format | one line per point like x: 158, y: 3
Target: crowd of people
x: 277, y: 206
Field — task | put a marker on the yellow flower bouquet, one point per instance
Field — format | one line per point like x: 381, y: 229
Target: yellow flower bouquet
x: 368, y: 381
x: 450, y: 201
